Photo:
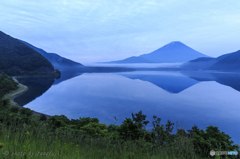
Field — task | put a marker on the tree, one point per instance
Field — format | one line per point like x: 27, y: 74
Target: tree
x: 160, y: 133
x: 84, y: 121
x: 94, y: 129
x: 14, y: 109
x: 56, y: 122
x: 133, y: 128
x: 140, y: 119
x: 43, y: 117
x: 129, y: 130
x: 26, y: 111
x: 211, y: 139
x: 194, y: 129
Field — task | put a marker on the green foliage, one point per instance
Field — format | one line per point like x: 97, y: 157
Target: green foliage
x: 17, y: 58
x: 181, y: 132
x: 211, y: 139
x: 140, y: 119
x: 43, y: 117
x: 160, y: 133
x: 56, y: 122
x: 113, y: 131
x: 4, y: 104
x: 27, y: 144
x: 26, y: 111
x: 133, y: 128
x: 94, y: 129
x: 7, y: 84
x: 89, y: 138
x: 14, y: 109
x: 4, y: 109
x: 129, y: 130
x: 81, y: 122
x: 1, y: 145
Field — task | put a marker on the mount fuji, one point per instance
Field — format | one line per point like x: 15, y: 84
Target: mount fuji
x: 173, y: 52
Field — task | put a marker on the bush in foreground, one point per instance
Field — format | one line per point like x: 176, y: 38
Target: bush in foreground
x: 21, y: 131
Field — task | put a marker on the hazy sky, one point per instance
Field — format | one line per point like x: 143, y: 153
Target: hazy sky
x: 105, y: 30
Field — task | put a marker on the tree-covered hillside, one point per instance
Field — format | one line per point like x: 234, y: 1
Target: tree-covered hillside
x: 56, y: 60
x: 17, y: 58
x: 6, y: 84
x: 228, y: 63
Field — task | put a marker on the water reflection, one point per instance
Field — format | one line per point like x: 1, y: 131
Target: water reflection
x: 66, y: 75
x: 36, y: 87
x: 227, y: 79
x: 170, y: 82
x: 176, y: 82
x: 194, y: 98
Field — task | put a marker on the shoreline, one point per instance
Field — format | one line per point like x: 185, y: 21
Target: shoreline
x: 15, y: 93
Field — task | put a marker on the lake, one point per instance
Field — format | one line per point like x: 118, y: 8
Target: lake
x: 189, y: 98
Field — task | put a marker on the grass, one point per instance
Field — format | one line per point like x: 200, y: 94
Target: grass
x: 29, y: 141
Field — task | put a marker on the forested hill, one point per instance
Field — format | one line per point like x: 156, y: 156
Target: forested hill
x: 228, y: 63
x: 17, y: 58
x: 56, y: 60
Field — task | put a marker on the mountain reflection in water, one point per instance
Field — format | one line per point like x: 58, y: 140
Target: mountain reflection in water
x: 198, y: 98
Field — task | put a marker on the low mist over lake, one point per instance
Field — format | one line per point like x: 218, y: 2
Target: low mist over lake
x: 136, y: 65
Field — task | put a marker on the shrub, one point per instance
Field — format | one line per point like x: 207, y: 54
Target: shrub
x: 43, y: 117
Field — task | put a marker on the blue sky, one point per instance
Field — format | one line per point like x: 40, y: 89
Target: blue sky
x: 104, y: 30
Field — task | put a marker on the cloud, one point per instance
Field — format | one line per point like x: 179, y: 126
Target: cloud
x: 106, y: 28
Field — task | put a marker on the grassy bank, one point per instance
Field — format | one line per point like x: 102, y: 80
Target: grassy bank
x: 24, y: 135
x: 39, y: 143
x: 38, y: 140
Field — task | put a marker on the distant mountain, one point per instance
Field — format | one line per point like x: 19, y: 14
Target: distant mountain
x: 199, y: 64
x: 17, y: 58
x: 170, y: 53
x: 226, y: 62
x: 133, y: 59
x: 57, y: 61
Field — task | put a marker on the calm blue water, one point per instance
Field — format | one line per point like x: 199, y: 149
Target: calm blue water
x: 202, y: 99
